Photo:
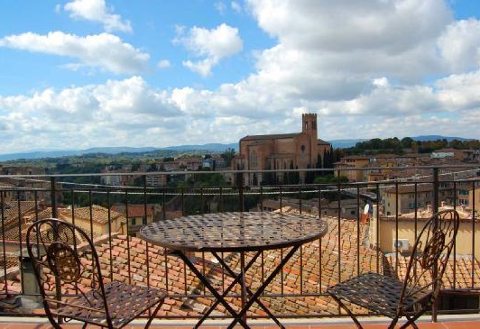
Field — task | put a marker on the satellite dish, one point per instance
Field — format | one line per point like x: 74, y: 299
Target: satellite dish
x: 365, y: 209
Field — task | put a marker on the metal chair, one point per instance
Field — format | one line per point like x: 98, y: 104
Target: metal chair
x: 387, y: 295
x: 71, y: 284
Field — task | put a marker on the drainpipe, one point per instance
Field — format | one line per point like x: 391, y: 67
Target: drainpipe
x: 31, y: 291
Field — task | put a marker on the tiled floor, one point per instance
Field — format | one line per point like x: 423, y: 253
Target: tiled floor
x: 40, y: 323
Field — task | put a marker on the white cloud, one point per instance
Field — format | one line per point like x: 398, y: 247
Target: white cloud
x: 236, y: 6
x: 460, y: 45
x: 103, y: 50
x: 114, y: 113
x: 380, y: 82
x: 362, y: 67
x: 220, y: 7
x: 163, y: 64
x: 97, y: 11
x: 203, y: 67
x: 368, y: 68
x: 460, y: 91
x: 349, y: 25
x: 211, y: 45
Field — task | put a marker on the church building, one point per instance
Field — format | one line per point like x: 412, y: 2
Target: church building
x: 300, y: 150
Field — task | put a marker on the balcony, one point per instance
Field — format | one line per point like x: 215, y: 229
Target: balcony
x: 371, y: 227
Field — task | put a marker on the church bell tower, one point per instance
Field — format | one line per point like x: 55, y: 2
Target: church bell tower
x: 309, y: 127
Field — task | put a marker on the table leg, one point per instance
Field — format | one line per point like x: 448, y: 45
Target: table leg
x: 260, y: 290
x: 243, y: 284
x: 203, y: 279
x: 235, y: 276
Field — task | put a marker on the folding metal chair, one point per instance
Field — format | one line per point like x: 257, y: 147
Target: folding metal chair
x: 71, y: 284
x: 389, y: 296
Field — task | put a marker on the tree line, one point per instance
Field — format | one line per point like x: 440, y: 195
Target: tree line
x: 408, y: 145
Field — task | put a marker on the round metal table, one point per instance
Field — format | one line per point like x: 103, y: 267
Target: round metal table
x: 235, y: 232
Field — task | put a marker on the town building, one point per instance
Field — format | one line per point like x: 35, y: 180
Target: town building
x: 301, y: 150
x: 138, y: 215
x: 391, y: 232
x: 402, y: 199
x: 352, y: 167
x: 448, y: 153
x: 380, y: 167
x: 156, y: 180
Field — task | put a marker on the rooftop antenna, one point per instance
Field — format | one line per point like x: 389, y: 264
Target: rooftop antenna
x: 366, y: 209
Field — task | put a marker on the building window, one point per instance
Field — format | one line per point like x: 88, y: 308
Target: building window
x: 463, y: 202
x: 133, y: 221
x: 253, y: 159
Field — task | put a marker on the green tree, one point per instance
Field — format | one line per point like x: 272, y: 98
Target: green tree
x: 407, y: 142
x: 228, y: 156
x: 330, y: 179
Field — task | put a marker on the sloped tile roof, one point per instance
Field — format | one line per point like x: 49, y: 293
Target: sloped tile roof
x: 337, y: 256
x: 99, y: 213
x: 268, y: 137
x: 463, y: 273
x: 13, y: 209
x: 308, y: 272
x: 424, y: 214
x: 135, y: 210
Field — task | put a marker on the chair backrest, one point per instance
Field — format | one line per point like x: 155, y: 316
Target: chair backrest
x: 65, y: 263
x: 429, y: 259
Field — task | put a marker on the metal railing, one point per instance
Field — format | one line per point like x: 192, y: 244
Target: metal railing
x: 368, y: 221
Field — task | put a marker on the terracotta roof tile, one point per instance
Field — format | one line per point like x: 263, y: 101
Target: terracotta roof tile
x: 99, y: 213
x: 13, y: 209
x: 424, y: 214
x: 267, y: 137
x: 320, y: 264
x: 464, y: 273
x: 135, y: 210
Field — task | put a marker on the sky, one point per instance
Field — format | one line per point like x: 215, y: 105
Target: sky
x: 94, y: 73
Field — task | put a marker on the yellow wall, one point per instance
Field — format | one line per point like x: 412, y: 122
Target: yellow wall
x: 406, y: 230
x: 99, y: 229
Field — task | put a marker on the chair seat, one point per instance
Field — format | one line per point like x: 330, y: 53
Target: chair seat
x: 378, y: 293
x: 125, y: 302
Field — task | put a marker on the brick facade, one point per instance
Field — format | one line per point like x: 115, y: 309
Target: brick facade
x: 282, y: 151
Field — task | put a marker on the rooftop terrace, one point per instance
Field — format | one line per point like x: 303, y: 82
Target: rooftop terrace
x: 297, y: 294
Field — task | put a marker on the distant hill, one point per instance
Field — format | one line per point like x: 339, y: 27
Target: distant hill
x: 427, y: 138
x: 345, y: 143
x: 117, y: 150
x: 212, y: 147
x: 38, y: 155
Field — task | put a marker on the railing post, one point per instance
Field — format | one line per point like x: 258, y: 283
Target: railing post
x: 53, y: 201
x: 435, y: 266
x: 240, y: 191
x: 53, y: 197
x: 435, y: 190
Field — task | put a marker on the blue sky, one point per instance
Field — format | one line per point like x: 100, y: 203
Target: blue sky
x: 85, y: 73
